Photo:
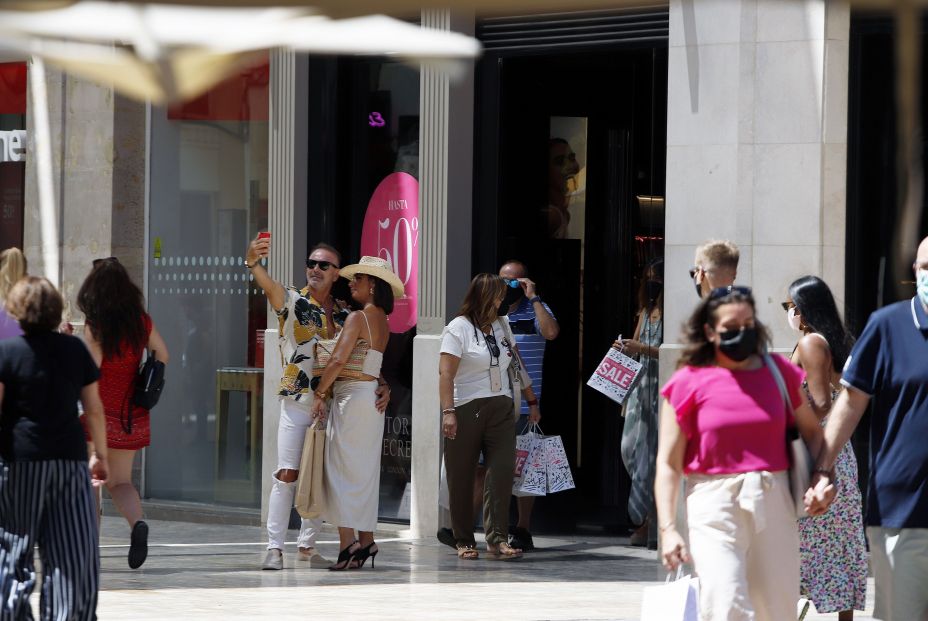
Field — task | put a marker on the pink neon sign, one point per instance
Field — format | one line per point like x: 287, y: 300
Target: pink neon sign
x: 391, y: 232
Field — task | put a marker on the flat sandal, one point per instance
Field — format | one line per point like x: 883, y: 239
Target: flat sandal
x: 467, y: 552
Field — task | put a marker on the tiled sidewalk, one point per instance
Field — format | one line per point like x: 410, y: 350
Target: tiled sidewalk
x: 197, y: 571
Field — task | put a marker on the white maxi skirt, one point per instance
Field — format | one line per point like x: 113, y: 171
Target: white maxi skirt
x: 354, y: 442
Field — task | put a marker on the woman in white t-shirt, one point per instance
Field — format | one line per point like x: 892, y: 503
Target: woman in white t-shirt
x: 477, y: 414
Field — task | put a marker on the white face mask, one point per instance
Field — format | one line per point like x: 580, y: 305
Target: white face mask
x: 795, y: 321
x: 922, y: 280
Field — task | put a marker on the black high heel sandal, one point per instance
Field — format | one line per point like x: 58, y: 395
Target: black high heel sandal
x: 346, y: 557
x: 363, y: 554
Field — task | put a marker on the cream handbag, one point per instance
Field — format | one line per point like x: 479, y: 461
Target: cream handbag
x: 310, y: 492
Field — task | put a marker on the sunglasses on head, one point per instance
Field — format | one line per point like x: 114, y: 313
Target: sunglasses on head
x: 97, y: 262
x: 323, y: 265
x: 491, y: 344
x: 721, y: 292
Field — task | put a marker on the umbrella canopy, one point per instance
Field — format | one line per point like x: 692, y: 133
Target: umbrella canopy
x: 166, y: 53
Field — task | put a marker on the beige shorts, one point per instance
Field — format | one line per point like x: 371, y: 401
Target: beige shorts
x: 899, y: 558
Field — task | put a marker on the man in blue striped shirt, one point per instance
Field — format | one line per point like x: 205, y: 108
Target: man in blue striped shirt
x: 532, y: 324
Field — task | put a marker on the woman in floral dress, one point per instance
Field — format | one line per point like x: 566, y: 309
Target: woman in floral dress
x: 832, y: 548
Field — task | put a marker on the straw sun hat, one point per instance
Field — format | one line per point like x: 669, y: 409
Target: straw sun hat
x: 375, y: 266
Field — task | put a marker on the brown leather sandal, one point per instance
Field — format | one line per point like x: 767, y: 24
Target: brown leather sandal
x: 467, y: 552
x: 504, y: 549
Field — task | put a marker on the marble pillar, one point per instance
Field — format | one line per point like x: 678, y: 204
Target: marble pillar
x: 445, y: 208
x: 756, y: 148
x: 287, y: 220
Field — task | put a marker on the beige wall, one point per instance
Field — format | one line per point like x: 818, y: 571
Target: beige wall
x: 756, y: 146
x: 98, y: 160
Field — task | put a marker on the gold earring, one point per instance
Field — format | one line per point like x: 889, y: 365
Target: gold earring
x: 372, y: 291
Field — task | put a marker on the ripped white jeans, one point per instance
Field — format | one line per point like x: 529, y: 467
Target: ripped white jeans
x: 745, y: 546
x: 295, y: 418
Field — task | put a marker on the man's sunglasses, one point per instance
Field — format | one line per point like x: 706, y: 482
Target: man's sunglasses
x: 787, y: 305
x: 721, y: 292
x: 694, y: 271
x: 512, y: 283
x: 323, y: 265
x: 97, y: 262
x: 491, y: 344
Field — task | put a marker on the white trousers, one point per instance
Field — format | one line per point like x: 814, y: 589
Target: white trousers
x: 745, y: 546
x: 899, y: 557
x: 295, y: 418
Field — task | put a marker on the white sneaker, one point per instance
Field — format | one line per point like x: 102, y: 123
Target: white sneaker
x: 274, y: 560
x: 310, y: 555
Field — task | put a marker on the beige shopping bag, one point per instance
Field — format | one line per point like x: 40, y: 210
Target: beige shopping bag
x: 310, y: 494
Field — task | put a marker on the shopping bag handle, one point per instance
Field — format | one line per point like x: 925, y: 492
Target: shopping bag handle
x: 678, y: 575
x: 532, y: 426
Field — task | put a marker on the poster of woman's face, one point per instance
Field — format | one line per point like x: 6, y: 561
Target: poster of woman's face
x: 564, y: 213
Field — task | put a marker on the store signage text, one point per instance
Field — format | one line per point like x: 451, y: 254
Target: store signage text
x: 13, y: 145
x: 375, y: 119
x: 391, y: 232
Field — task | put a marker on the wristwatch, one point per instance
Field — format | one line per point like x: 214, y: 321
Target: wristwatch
x: 534, y: 299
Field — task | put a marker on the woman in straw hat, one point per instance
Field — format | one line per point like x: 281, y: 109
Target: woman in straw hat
x: 355, y: 431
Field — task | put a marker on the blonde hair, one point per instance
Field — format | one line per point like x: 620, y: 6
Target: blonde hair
x: 12, y: 269
x: 719, y: 253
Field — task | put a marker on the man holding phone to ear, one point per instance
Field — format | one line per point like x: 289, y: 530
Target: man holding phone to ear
x: 303, y: 316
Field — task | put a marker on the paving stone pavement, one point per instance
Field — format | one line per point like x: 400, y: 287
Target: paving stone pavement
x: 201, y: 571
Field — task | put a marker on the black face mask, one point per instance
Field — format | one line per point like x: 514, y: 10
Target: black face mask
x: 512, y: 296
x: 653, y: 289
x: 739, y: 344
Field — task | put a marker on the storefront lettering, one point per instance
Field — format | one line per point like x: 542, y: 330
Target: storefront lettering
x: 397, y: 448
x: 13, y: 145
x: 374, y: 119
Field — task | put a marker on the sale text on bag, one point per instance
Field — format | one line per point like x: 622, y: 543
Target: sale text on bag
x: 615, y: 375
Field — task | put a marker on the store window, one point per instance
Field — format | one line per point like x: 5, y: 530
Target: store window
x: 209, y: 188
x: 12, y: 153
x: 364, y: 187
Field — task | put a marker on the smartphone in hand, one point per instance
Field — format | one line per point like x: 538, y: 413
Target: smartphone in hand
x: 264, y: 235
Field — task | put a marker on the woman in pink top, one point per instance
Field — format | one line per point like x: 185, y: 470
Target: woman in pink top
x: 723, y: 425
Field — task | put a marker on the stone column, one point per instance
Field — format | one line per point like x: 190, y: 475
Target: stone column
x: 98, y: 164
x: 287, y: 221
x: 445, y: 207
x: 756, y: 147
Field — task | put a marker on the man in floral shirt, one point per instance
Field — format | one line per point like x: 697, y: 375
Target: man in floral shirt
x: 304, y: 316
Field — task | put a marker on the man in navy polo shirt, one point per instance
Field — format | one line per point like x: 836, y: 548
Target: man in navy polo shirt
x: 532, y: 324
x: 889, y: 364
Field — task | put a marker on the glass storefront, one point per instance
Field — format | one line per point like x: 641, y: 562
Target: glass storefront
x: 12, y: 153
x: 363, y: 186
x: 209, y: 187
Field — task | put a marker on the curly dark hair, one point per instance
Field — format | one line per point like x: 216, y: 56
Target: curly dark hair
x: 699, y: 350
x: 819, y: 312
x: 114, y: 307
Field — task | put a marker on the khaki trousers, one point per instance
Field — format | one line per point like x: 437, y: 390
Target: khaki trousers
x: 899, y: 557
x: 484, y: 424
x: 745, y: 546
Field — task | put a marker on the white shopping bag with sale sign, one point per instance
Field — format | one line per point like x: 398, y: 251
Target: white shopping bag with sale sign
x: 530, y: 476
x: 616, y: 375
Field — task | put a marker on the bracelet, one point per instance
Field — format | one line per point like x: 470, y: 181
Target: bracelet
x: 449, y: 411
x: 534, y: 299
x: 667, y: 526
x: 320, y: 395
x: 829, y: 473
x: 250, y: 265
x: 531, y: 402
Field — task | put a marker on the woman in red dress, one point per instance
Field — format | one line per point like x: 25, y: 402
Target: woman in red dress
x: 117, y: 332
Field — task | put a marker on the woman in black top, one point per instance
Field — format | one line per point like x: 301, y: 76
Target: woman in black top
x: 45, y: 486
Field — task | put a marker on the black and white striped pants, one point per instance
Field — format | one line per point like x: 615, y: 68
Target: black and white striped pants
x: 49, y: 504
